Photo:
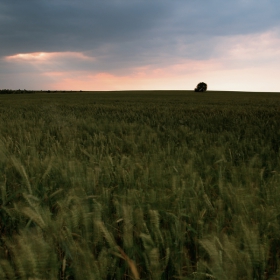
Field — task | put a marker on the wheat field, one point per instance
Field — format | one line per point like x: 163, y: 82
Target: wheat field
x: 140, y: 185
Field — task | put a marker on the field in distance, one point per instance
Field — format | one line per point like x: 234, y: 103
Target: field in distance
x: 209, y: 97
x: 140, y: 185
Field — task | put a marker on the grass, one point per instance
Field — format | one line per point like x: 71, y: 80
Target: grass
x: 140, y: 185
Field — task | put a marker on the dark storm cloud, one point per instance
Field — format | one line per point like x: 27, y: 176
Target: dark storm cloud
x: 32, y: 26
x: 123, y: 34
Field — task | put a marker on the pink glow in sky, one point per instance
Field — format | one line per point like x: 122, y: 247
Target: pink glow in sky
x: 243, y: 62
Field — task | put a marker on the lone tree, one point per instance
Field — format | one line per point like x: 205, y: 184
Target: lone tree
x: 201, y: 87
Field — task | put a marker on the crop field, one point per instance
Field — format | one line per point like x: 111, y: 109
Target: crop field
x: 140, y: 185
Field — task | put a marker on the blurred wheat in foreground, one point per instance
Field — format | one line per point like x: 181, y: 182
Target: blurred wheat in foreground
x: 140, y: 186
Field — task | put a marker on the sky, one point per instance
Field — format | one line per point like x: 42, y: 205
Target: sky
x: 140, y: 44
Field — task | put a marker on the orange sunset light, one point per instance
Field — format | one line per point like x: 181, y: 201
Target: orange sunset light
x: 45, y: 56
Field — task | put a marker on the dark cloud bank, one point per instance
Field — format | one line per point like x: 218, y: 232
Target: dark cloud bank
x: 128, y: 33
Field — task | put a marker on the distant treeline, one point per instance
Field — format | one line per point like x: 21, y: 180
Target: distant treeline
x: 11, y: 91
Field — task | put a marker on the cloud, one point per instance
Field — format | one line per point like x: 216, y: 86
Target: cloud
x: 87, y: 40
x: 53, y: 26
x: 43, y: 57
x: 45, y: 62
x: 138, y: 27
x: 253, y: 50
x: 236, y: 62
